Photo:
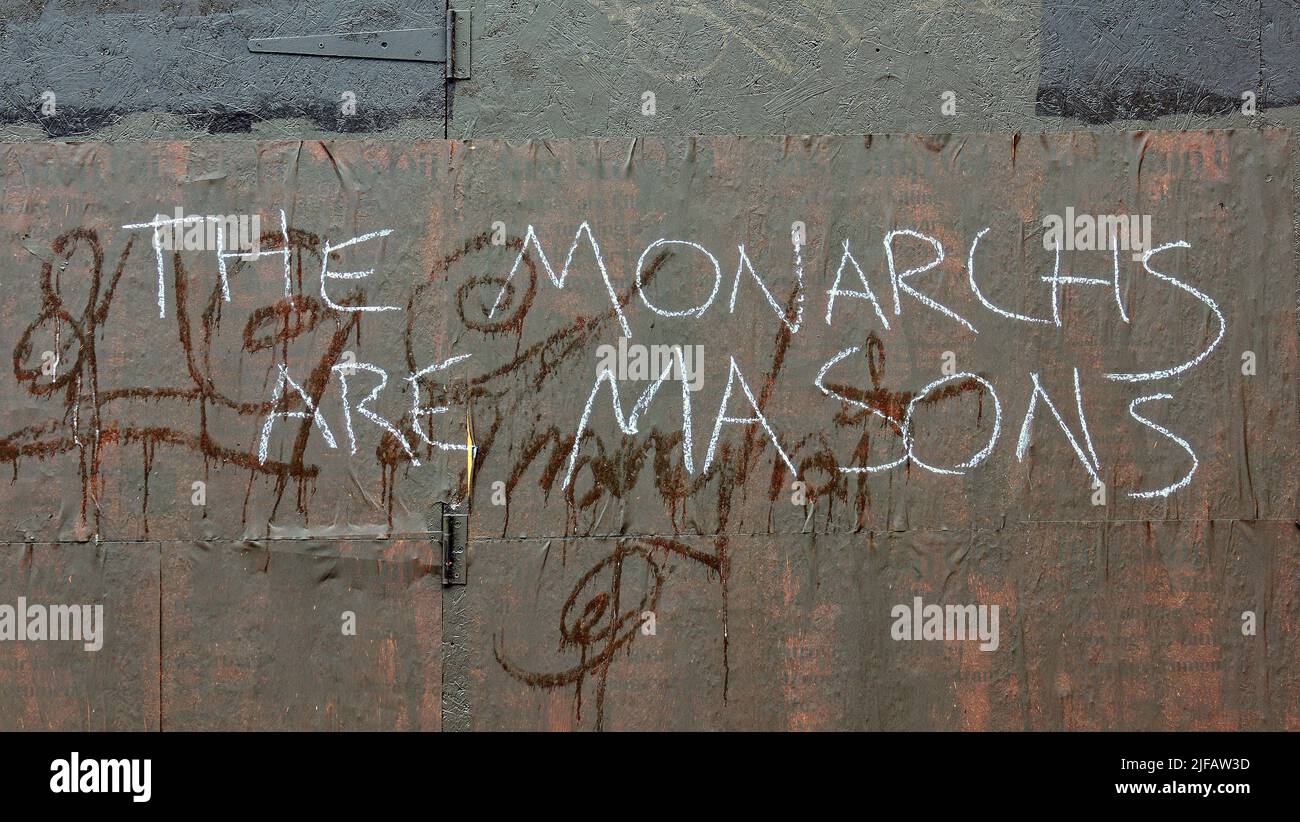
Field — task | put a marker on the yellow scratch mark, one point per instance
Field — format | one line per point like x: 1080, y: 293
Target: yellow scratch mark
x: 469, y: 453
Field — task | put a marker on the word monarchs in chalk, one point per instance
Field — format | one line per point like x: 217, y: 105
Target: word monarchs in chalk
x: 77, y: 775
x: 57, y: 623
x: 946, y: 623
x: 646, y: 362
x: 1102, y: 232
x: 210, y: 232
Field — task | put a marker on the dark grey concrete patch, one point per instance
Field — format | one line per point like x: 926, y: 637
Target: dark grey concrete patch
x: 1280, y: 38
x: 1138, y: 61
x: 192, y: 59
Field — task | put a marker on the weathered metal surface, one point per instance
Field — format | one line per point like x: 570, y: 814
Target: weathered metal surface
x: 770, y: 614
x: 1104, y: 626
x: 419, y: 45
x: 725, y: 193
x: 252, y: 637
x: 194, y: 386
x: 1115, y: 60
x: 772, y: 601
x: 60, y: 685
x: 578, y: 68
x: 581, y: 68
x: 75, y: 67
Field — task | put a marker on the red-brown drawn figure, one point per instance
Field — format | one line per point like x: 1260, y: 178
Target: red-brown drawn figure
x: 192, y: 400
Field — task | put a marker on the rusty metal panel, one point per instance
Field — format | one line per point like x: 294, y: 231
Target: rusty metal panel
x: 778, y: 615
x: 132, y: 416
x: 1103, y: 626
x: 62, y: 686
x: 1211, y: 190
x: 1099, y: 443
x: 253, y: 637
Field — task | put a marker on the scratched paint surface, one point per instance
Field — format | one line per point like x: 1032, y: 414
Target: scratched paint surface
x: 775, y: 615
x: 134, y: 377
x: 1102, y: 61
x: 108, y: 59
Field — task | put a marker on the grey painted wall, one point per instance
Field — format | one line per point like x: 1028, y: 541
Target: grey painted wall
x: 127, y: 70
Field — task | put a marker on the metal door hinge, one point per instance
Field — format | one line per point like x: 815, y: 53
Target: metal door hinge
x: 453, y: 536
x: 448, y: 44
x: 459, y: 37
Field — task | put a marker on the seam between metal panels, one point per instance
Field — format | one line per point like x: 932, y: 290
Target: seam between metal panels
x: 219, y: 540
x: 871, y: 531
x: 269, y: 542
x: 161, y: 621
x: 432, y: 564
